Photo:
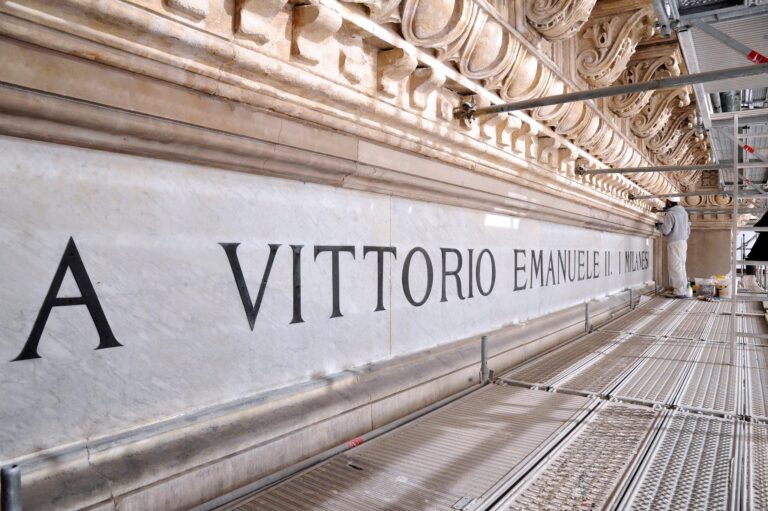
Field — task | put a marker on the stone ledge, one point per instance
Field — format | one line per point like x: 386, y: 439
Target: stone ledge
x: 43, y: 116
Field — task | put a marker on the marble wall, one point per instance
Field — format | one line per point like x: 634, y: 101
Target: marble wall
x: 150, y: 234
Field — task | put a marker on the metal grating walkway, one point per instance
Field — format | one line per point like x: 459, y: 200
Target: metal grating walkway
x: 660, y: 374
x: 460, y: 451
x: 712, y: 385
x: 612, y: 439
x: 600, y: 378
x: 690, y: 466
x: 611, y: 420
x: 564, y: 360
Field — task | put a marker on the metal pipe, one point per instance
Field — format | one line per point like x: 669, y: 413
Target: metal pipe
x: 581, y: 171
x: 693, y: 194
x: 485, y: 374
x: 717, y: 107
x: 734, y: 240
x: 587, y: 324
x: 468, y: 111
x: 749, y: 53
x: 631, y: 300
x: 10, y: 488
x: 716, y: 211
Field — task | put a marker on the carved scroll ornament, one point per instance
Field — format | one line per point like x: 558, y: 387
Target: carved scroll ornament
x: 558, y: 19
x: 644, y: 66
x: 607, y: 43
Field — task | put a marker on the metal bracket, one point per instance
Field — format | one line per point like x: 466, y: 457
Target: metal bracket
x: 465, y: 112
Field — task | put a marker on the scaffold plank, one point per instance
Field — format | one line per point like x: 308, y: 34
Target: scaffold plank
x: 691, y: 326
x: 757, y: 380
x: 718, y: 327
x: 601, y: 377
x: 660, y: 374
x: 555, y: 364
x: 702, y: 307
x: 462, y: 450
x: 758, y: 466
x: 690, y: 466
x: 659, y: 324
x: 742, y: 308
x: 713, y: 382
x: 587, y: 472
x: 628, y: 323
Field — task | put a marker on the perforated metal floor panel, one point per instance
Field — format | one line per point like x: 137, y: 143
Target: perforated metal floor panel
x: 658, y: 324
x: 602, y: 376
x: 690, y: 466
x: 587, y: 472
x: 690, y: 326
x: 757, y: 482
x: 757, y: 380
x: 712, y: 384
x: 461, y: 450
x: 628, y: 323
x: 562, y: 361
x: 660, y: 375
x: 742, y: 308
x: 617, y: 420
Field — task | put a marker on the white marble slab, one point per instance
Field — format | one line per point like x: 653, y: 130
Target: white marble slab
x: 148, y: 233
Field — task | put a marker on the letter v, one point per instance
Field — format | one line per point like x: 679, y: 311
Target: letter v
x: 251, y: 309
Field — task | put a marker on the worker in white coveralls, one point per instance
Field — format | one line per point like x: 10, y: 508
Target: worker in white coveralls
x: 676, y: 228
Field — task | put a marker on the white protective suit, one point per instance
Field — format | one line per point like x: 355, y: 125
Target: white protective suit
x: 676, y: 229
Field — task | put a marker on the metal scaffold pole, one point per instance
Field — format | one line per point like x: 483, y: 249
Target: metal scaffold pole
x: 664, y: 168
x: 469, y: 111
x: 734, y: 241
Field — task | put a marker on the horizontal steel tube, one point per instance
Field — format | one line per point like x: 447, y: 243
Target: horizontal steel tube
x: 719, y: 211
x: 668, y: 168
x: 617, y: 90
x: 702, y: 193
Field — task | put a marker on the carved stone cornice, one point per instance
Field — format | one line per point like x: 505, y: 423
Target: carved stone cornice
x: 648, y: 63
x: 653, y: 116
x: 329, y: 62
x: 558, y: 19
x: 607, y: 42
x: 666, y: 139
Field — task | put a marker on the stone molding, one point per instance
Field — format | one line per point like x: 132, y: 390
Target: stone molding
x: 315, y: 97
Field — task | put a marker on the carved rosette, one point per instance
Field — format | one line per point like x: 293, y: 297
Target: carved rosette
x: 657, y: 112
x: 646, y: 64
x: 607, y: 43
x: 558, y: 19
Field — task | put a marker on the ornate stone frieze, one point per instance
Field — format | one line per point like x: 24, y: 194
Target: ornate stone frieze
x: 650, y: 63
x: 666, y: 139
x: 558, y: 19
x: 657, y: 112
x: 606, y: 43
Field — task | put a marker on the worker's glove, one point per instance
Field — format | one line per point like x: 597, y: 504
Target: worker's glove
x: 657, y: 226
